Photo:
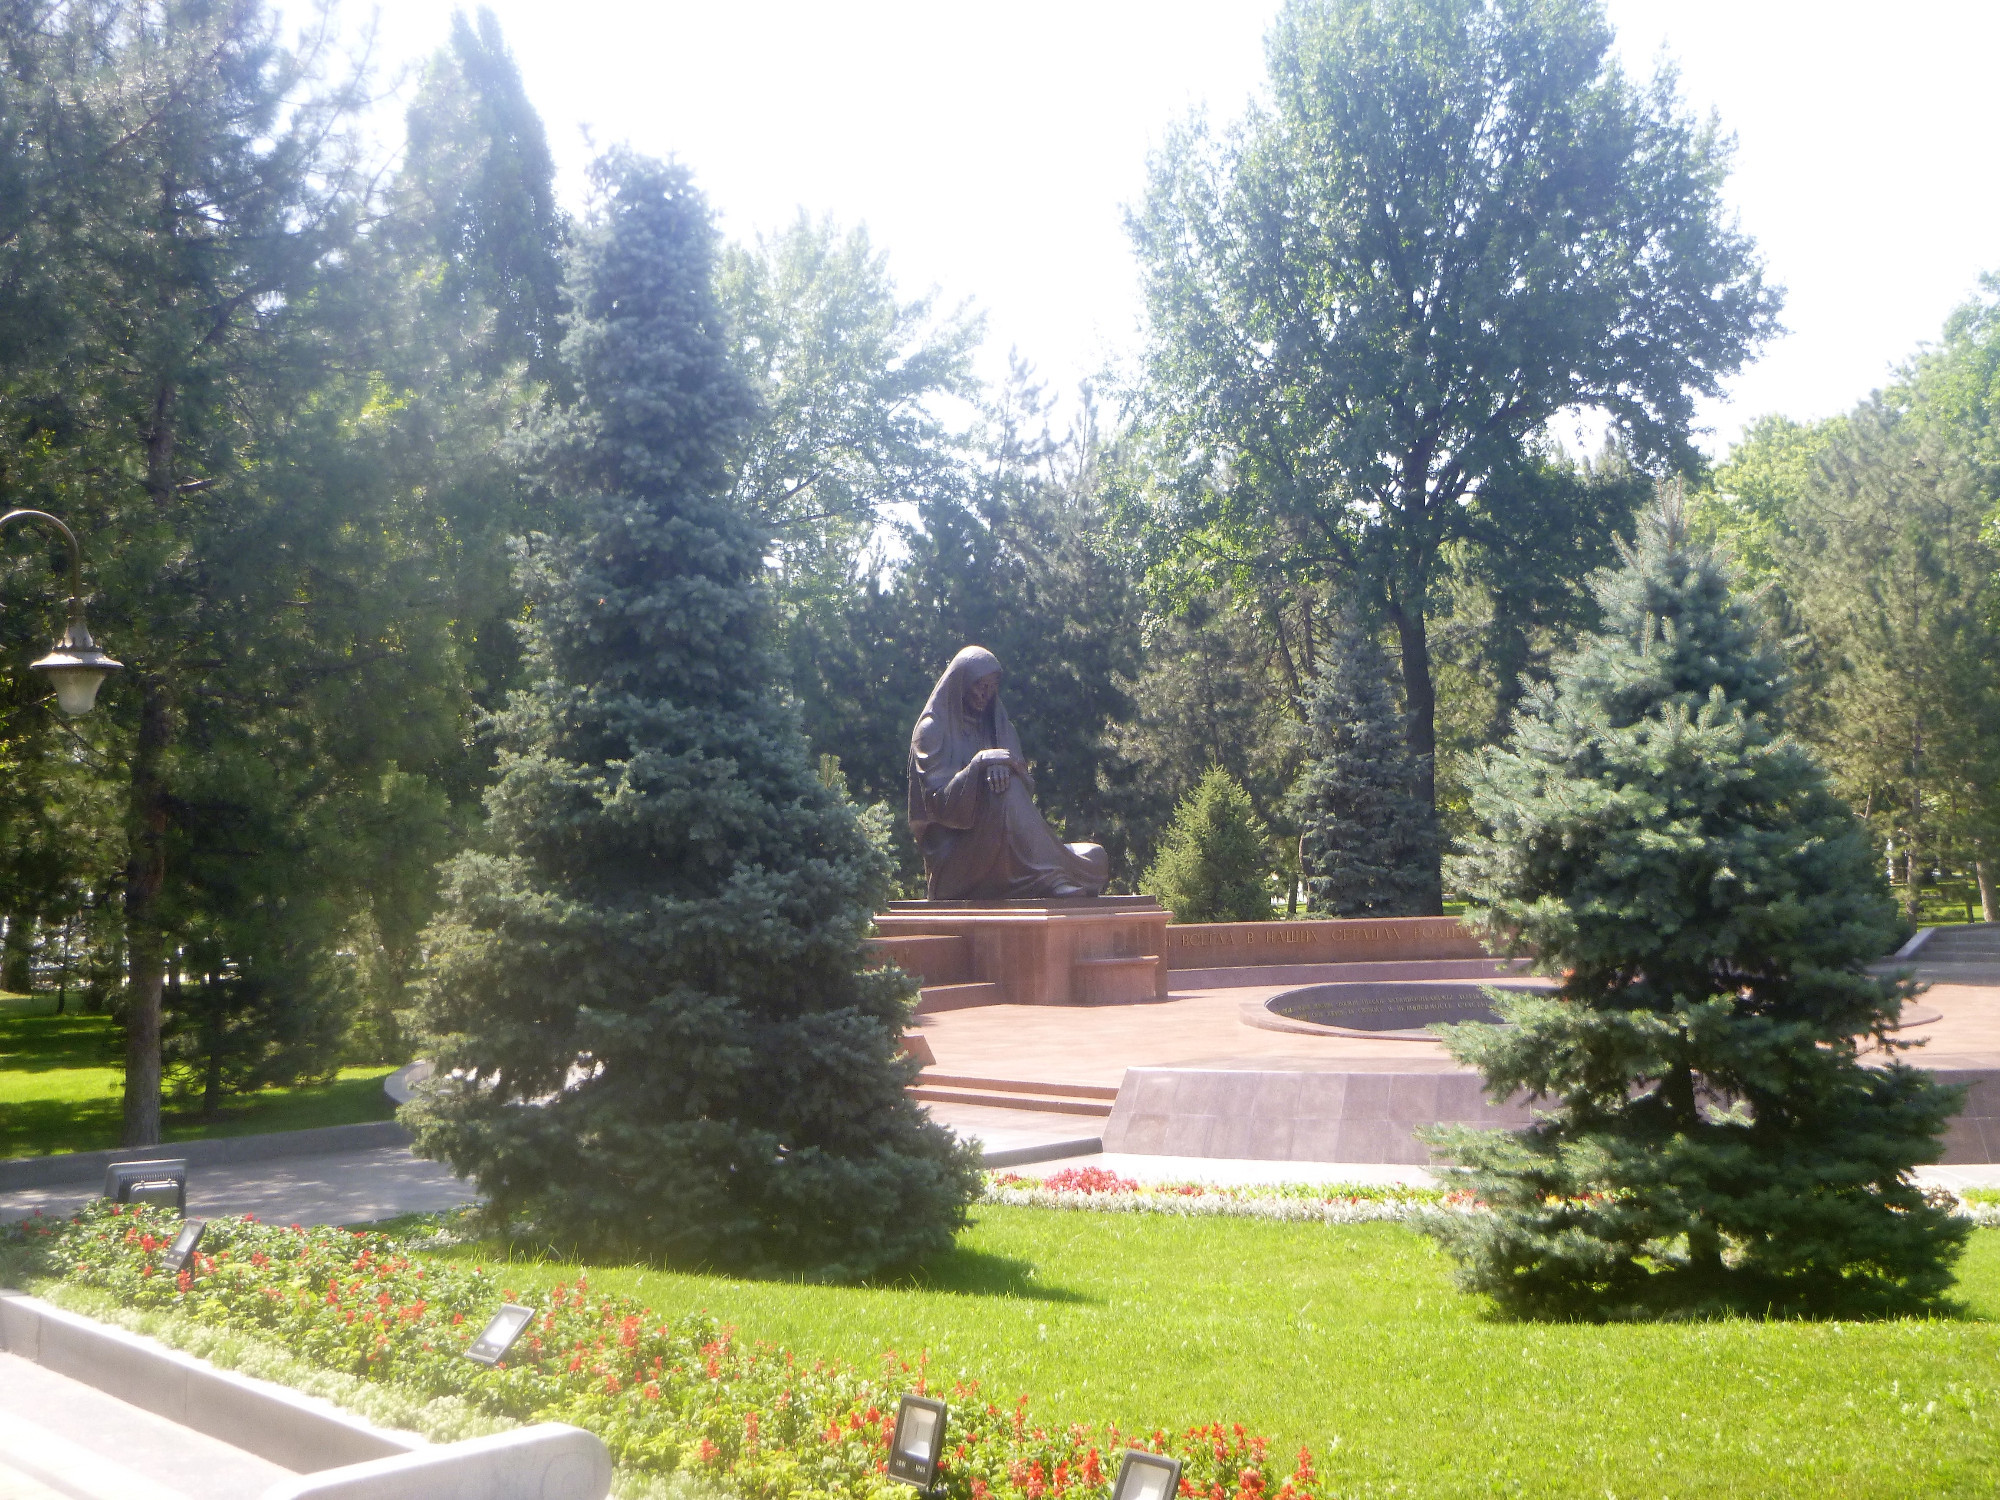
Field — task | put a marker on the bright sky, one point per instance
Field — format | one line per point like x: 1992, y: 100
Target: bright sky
x: 990, y: 149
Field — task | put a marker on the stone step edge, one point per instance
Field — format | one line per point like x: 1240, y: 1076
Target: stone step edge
x: 933, y: 998
x: 1047, y: 1105
x: 928, y: 1079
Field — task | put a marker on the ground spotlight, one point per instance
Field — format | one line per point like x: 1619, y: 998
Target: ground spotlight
x: 182, y: 1250
x: 498, y: 1336
x: 1147, y: 1476
x: 161, y: 1183
x: 919, y: 1442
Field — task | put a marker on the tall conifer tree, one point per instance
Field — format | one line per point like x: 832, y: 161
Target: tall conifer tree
x: 647, y: 998
x: 1368, y: 840
x: 1709, y: 1133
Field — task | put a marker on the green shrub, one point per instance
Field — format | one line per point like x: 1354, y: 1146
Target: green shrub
x: 1214, y: 861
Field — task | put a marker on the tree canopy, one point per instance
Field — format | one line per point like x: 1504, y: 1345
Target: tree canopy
x: 1453, y: 220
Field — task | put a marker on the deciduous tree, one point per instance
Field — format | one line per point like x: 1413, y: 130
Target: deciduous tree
x: 1453, y: 220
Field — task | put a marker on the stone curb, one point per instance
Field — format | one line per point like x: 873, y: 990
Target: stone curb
x: 88, y: 1166
x: 1915, y: 944
x: 284, y: 1427
x: 1021, y: 1156
x: 549, y: 1461
x: 402, y: 1083
x: 338, y: 1455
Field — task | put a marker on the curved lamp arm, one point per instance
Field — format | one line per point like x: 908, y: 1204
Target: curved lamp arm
x: 75, y: 666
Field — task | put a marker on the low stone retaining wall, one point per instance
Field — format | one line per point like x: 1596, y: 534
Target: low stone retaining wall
x: 294, y: 1431
x: 1973, y: 1134
x: 1230, y: 945
x: 1339, y: 1112
x: 1310, y: 1113
x: 340, y: 1456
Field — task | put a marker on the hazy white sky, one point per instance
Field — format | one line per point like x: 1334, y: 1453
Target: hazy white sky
x: 991, y: 148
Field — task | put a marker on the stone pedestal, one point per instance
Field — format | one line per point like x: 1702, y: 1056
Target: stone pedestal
x: 1088, y: 950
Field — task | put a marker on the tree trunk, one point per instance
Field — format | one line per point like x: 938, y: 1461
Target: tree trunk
x: 1982, y: 870
x: 211, y: 1093
x: 1420, y: 698
x: 16, y: 977
x: 146, y: 949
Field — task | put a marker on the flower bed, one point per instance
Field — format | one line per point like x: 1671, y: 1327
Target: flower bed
x: 1320, y: 1203
x: 664, y: 1394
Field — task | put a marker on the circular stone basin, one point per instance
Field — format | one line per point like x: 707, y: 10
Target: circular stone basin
x: 1385, y: 1010
x: 1406, y: 1009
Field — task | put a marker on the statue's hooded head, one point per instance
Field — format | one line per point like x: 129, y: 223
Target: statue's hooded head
x: 972, y: 684
x: 954, y: 727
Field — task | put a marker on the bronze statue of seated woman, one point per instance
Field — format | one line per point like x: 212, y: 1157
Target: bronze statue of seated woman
x: 972, y: 800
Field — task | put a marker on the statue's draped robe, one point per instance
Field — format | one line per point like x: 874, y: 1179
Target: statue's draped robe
x: 978, y: 844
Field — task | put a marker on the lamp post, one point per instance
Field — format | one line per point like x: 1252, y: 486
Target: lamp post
x: 76, y: 667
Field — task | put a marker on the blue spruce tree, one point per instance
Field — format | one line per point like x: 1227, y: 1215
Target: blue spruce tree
x: 647, y: 999
x: 1710, y: 1137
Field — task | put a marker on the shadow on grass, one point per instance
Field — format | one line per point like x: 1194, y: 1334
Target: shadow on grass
x: 1671, y: 1301
x: 43, y: 1044
x: 41, y: 1127
x: 959, y: 1271
x: 976, y: 1273
x: 44, y: 1127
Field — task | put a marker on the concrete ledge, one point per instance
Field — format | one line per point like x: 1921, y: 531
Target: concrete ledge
x: 550, y: 1461
x: 1916, y: 943
x: 1021, y: 1156
x: 1267, y: 976
x: 1260, y: 1114
x: 404, y: 1082
x: 1321, y: 940
x: 88, y: 1166
x: 294, y: 1431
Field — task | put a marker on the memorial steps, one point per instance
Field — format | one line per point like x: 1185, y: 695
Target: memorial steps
x: 936, y: 997
x: 1961, y: 955
x: 1004, y: 1093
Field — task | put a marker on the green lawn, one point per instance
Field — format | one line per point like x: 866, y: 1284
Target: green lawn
x: 60, y: 1086
x: 1352, y: 1340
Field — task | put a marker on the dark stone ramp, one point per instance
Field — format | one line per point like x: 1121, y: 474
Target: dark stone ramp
x: 1301, y: 1112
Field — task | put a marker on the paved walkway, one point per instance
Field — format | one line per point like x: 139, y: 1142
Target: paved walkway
x: 1065, y: 1044
x: 1205, y: 1028
x: 350, y: 1187
x: 61, y: 1438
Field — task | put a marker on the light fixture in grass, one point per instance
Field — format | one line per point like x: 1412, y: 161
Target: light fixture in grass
x: 1710, y: 1138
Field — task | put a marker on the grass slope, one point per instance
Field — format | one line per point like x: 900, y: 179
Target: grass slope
x: 1352, y: 1340
x: 62, y: 1077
